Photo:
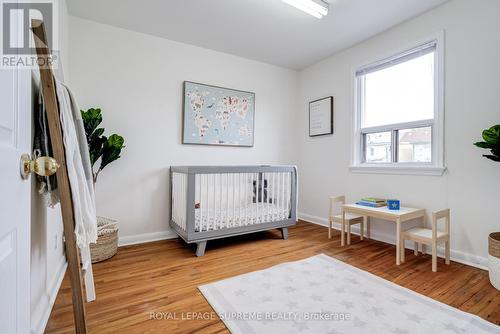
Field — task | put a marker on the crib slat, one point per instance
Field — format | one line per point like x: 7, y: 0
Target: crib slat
x: 209, y: 188
x: 245, y: 186
x: 239, y: 199
x: 179, y: 194
x: 252, y: 208
x: 209, y: 194
x: 183, y: 199
x: 221, y: 222
x: 183, y: 192
x: 282, y: 177
x: 213, y: 186
x: 256, y: 206
x: 174, y: 195
x: 219, y: 217
x: 202, y: 203
x: 184, y: 202
x: 226, y: 221
x: 250, y: 213
x: 276, y: 192
x: 262, y: 202
x: 257, y: 196
x: 268, y: 199
x: 289, y: 187
x: 232, y: 208
x: 276, y: 195
x: 209, y: 191
x: 285, y: 197
x: 208, y: 202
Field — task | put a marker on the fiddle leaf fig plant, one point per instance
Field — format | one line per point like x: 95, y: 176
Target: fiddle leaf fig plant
x: 491, y: 141
x: 105, y: 149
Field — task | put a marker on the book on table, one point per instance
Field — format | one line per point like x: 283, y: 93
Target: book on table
x: 371, y: 204
x: 373, y: 200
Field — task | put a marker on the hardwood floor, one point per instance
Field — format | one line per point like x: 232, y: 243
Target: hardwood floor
x: 163, y: 277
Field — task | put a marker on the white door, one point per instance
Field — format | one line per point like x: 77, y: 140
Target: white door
x: 15, y: 193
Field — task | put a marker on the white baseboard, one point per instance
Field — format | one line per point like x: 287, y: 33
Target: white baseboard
x: 455, y: 255
x: 40, y: 315
x: 146, y: 237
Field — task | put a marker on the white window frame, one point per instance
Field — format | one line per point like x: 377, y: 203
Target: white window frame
x: 437, y: 166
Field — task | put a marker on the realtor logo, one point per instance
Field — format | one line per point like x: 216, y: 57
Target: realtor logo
x: 17, y: 45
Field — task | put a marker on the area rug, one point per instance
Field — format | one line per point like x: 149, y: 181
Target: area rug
x: 323, y: 295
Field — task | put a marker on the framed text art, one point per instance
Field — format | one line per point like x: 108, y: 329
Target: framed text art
x: 321, y: 117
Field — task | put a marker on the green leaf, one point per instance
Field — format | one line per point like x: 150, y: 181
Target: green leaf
x: 91, y: 120
x: 111, y: 149
x: 97, y: 133
x: 492, y: 157
x: 95, y: 148
x: 491, y: 141
x: 483, y: 144
x: 496, y: 151
x: 492, y: 135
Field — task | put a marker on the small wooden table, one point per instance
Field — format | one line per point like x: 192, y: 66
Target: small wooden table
x: 398, y: 216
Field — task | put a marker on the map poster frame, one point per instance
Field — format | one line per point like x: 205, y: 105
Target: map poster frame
x: 219, y: 116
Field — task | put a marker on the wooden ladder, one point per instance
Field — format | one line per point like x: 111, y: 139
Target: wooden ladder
x: 47, y: 86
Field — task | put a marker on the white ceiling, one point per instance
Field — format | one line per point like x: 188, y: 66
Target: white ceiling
x: 265, y: 30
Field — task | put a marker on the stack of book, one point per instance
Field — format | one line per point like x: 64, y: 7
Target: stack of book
x: 372, y: 202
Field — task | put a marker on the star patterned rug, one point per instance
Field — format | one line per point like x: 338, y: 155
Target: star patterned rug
x: 323, y: 295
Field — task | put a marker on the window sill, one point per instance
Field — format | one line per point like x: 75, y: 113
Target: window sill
x: 398, y: 170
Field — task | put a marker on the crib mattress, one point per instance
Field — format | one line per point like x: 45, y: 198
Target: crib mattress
x: 254, y: 213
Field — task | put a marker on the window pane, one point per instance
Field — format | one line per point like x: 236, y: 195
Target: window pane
x: 415, y: 145
x: 401, y: 93
x: 378, y: 147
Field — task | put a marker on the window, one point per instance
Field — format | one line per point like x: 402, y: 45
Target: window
x: 398, y: 113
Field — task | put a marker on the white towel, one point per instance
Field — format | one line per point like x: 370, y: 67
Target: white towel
x: 80, y: 179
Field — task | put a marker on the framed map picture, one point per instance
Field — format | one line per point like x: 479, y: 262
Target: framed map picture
x: 321, y: 117
x: 217, y: 116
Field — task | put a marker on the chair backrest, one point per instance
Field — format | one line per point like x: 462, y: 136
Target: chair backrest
x: 437, y: 215
x: 333, y: 201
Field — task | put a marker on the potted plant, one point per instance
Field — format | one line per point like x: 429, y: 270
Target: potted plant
x: 491, y: 142
x: 103, y: 151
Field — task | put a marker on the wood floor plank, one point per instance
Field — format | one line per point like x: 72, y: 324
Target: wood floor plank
x: 163, y: 277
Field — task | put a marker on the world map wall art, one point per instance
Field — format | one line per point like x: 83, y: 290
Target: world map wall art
x: 217, y: 116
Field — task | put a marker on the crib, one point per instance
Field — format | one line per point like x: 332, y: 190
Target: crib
x: 211, y: 202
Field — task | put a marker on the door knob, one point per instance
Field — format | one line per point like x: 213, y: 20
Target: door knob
x: 43, y: 166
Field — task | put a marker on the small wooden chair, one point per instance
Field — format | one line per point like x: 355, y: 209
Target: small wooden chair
x: 430, y: 236
x: 350, y: 219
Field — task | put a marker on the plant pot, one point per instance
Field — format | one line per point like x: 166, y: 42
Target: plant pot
x: 107, y: 240
x: 494, y: 259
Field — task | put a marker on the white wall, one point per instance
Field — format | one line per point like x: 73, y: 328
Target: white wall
x: 48, y: 262
x: 472, y: 85
x: 137, y: 81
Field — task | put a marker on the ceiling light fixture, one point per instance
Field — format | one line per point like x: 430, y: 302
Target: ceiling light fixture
x: 316, y: 8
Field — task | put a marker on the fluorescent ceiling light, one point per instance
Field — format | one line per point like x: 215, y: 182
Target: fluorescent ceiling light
x: 316, y: 8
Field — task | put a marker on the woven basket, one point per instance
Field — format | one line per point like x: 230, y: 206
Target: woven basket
x: 494, y: 259
x: 107, y: 240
